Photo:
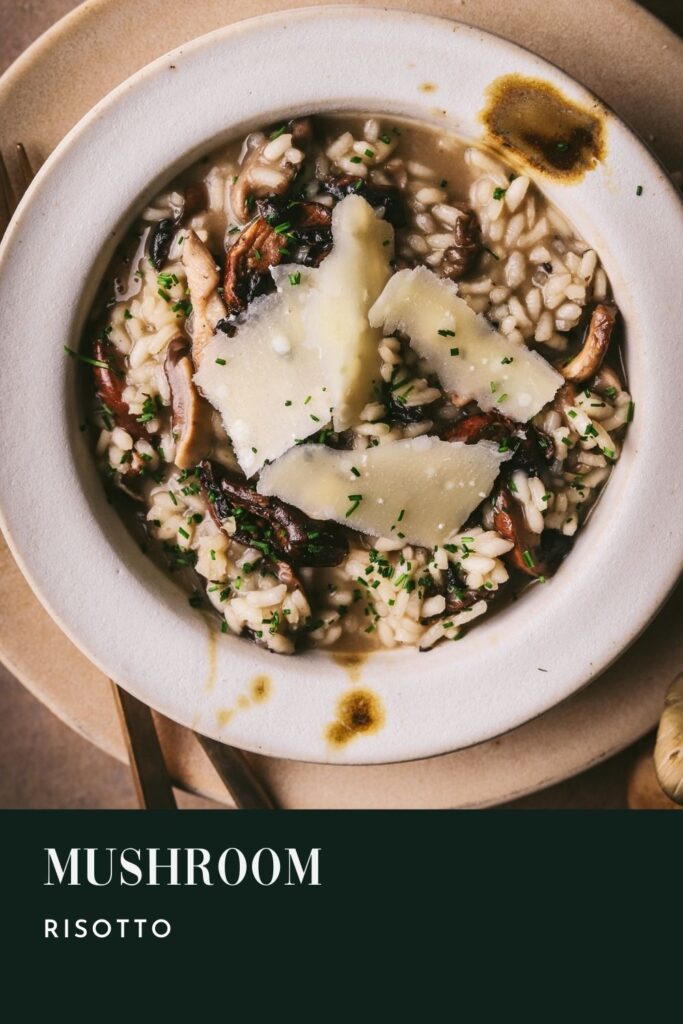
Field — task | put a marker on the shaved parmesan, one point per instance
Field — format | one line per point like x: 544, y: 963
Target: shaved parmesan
x: 420, y: 488
x: 266, y: 382
x: 470, y: 358
x: 336, y: 316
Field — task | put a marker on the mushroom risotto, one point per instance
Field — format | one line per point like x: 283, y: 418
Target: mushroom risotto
x: 357, y: 380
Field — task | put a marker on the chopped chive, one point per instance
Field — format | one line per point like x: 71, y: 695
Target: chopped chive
x: 356, y: 472
x: 356, y: 500
x: 221, y: 362
x: 562, y: 146
x: 127, y: 315
x: 355, y: 160
x: 501, y: 398
x: 295, y: 278
x: 507, y: 359
x: 85, y: 359
x: 400, y: 515
x: 446, y: 333
x: 183, y: 533
x: 278, y: 132
x: 631, y: 410
x: 639, y: 190
x: 498, y: 193
x: 494, y: 387
x: 288, y: 401
x: 455, y: 351
x: 385, y: 139
x: 528, y: 558
x: 369, y: 153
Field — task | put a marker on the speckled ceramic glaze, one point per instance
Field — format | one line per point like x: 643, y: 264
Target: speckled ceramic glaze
x: 123, y: 612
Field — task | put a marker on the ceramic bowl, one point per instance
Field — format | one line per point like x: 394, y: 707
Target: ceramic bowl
x: 129, y: 618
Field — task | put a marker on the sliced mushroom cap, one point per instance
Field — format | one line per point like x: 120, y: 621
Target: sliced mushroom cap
x: 109, y: 384
x: 385, y: 199
x: 459, y: 258
x: 248, y: 261
x: 531, y: 448
x: 191, y: 414
x: 509, y: 521
x: 588, y: 360
x: 478, y: 426
x: 203, y: 279
x: 533, y: 554
x: 308, y: 237
x: 280, y: 530
x: 195, y: 199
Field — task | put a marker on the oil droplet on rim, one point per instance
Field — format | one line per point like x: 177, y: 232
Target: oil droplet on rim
x: 358, y: 712
x: 543, y: 128
x: 260, y: 688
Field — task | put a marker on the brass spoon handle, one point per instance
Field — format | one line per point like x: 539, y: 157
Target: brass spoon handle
x: 237, y: 775
x: 150, y: 778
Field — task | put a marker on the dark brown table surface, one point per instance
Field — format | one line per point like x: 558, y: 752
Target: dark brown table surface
x: 59, y: 769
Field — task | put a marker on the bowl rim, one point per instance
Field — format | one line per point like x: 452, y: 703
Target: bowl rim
x: 19, y: 534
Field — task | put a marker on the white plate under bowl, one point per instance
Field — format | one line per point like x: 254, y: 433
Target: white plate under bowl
x: 128, y: 617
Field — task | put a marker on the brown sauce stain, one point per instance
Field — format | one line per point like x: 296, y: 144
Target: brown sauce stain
x: 352, y: 661
x: 547, y: 131
x: 260, y: 688
x: 428, y: 87
x: 211, y: 671
x: 358, y: 712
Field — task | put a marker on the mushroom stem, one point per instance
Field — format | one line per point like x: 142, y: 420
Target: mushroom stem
x: 588, y: 360
x: 203, y: 278
x: 191, y: 414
